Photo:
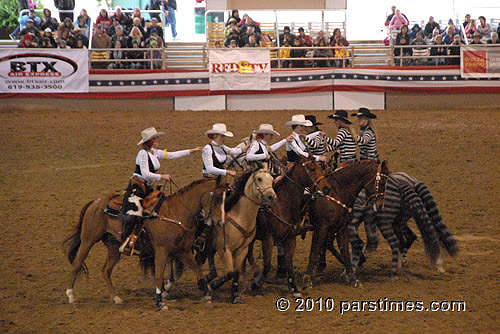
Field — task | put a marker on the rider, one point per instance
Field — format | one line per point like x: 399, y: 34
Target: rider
x: 295, y: 149
x: 147, y: 164
x: 367, y: 140
x: 315, y: 135
x: 259, y: 150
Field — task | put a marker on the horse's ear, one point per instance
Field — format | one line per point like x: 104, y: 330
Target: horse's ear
x: 259, y: 165
x: 385, y: 165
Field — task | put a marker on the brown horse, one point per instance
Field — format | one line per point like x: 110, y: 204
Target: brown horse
x: 236, y: 220
x: 281, y: 222
x: 330, y: 214
x: 171, y: 234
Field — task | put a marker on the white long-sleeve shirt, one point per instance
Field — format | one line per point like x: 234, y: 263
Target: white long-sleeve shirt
x: 220, y: 152
x: 299, y: 147
x: 149, y: 176
x: 252, y: 154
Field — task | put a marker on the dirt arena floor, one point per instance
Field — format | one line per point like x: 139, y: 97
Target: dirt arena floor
x: 53, y: 162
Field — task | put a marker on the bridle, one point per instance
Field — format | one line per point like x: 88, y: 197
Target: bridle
x: 377, y: 178
x: 260, y: 190
x: 315, y: 187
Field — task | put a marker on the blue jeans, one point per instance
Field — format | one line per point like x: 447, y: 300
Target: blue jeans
x: 171, y: 21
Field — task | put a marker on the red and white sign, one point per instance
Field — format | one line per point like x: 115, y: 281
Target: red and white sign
x: 480, y: 61
x: 239, y: 69
x: 44, y: 71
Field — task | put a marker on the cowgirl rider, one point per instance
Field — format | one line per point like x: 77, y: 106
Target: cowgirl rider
x: 259, y: 148
x: 296, y: 149
x: 367, y: 139
x: 147, y: 164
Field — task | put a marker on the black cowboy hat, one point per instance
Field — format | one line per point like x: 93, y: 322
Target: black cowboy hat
x: 312, y: 118
x: 342, y: 115
x: 364, y: 112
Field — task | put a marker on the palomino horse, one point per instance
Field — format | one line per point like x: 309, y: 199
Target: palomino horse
x: 236, y: 220
x: 331, y: 213
x: 281, y: 222
x: 171, y: 233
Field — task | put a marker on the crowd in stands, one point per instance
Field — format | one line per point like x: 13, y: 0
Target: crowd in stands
x: 246, y: 32
x: 442, y: 41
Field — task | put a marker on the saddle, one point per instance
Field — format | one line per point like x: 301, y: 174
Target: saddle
x: 150, y: 203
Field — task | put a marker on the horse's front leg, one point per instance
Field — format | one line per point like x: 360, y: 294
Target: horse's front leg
x: 226, y: 257
x: 289, y: 248
x: 267, y: 254
x: 202, y: 281
x: 111, y: 261
x: 239, y: 257
x: 318, y: 239
x: 161, y: 258
x: 343, y: 243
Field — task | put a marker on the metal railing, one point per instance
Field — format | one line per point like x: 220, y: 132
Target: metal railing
x: 103, y: 56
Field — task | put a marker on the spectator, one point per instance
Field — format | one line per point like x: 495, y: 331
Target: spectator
x: 342, y: 54
x: 466, y: 20
x: 117, y: 55
x: 403, y: 33
x: 233, y: 44
x: 112, y: 29
x: 48, y: 21
x: 153, y: 37
x: 63, y: 44
x: 32, y: 30
x: 67, y: 24
x: 230, y: 27
x: 450, y: 34
x: 414, y: 30
x: 494, y: 38
x: 104, y: 20
x: 398, y: 20
x: 430, y: 26
x: 155, y: 55
x: 71, y: 41
x: 285, y: 53
x: 86, y: 20
x: 336, y: 36
x: 470, y: 29
x: 252, y: 42
x: 247, y: 22
x: 476, y: 39
x: 27, y: 42
x: 319, y: 38
x: 286, y: 35
x: 439, y: 49
x: 137, y: 14
x: 297, y: 52
x: 305, y: 40
x: 137, y: 25
x: 234, y: 37
x: 155, y: 25
x: 484, y: 28
x: 322, y: 53
x: 45, y: 43
x: 455, y: 51
x: 250, y: 32
x: 137, y: 36
x: 123, y: 18
x: 47, y: 35
x: 420, y: 48
x: 119, y: 36
x: 218, y: 45
x: 100, y: 40
x: 389, y: 18
x: 65, y: 5
x: 80, y: 36
x: 62, y: 35
x: 154, y: 5
x: 170, y: 6
x: 265, y: 40
x: 235, y: 14
x: 405, y: 52
x: 23, y: 21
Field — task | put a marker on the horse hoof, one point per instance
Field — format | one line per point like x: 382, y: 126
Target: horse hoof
x: 441, y: 270
x: 161, y: 307
x: 237, y: 300
x: 297, y: 295
x: 117, y: 300
x: 71, y: 297
x: 307, y: 282
x: 394, y: 278
x: 358, y: 284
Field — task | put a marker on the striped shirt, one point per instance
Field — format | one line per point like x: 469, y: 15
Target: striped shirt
x: 343, y: 142
x: 367, y: 144
x: 315, y: 143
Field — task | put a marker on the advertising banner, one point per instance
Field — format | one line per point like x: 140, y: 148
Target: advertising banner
x: 480, y: 62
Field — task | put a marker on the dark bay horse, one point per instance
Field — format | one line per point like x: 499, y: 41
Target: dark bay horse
x: 171, y: 234
x: 330, y: 214
x: 280, y: 222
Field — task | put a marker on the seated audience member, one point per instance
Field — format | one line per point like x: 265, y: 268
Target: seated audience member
x: 27, y: 42
x: 136, y: 54
x: 286, y: 35
x: 155, y: 54
x: 119, y: 36
x: 336, y: 36
x: 405, y: 52
x: 250, y: 32
x: 118, y: 55
x: 435, y: 33
x: 137, y: 25
x: 230, y: 28
x: 341, y: 55
x: 104, y: 20
x: 47, y: 34
x: 85, y: 30
x: 111, y: 31
x: 100, y: 40
x: 321, y: 36
x: 494, y: 38
x: 455, y: 51
x: 63, y: 44
x: 153, y: 37
x: 233, y: 44
x: 322, y: 53
x: 305, y: 40
x: 67, y: 24
x: 470, y: 28
x: 398, y: 20
x: 234, y: 37
x: 297, y: 52
x: 218, y: 45
x: 450, y: 34
x: 123, y: 18
x: 476, y: 39
x: 252, y: 42
x: 23, y: 22
x: 86, y: 18
x: 403, y: 33
x: 466, y: 20
x: 48, y: 21
x: 137, y: 14
x: 430, y: 26
x: 62, y: 35
x: 155, y: 25
x: 265, y: 40
x: 414, y: 30
x: 246, y: 22
x: 484, y: 28
x: 285, y: 53
x: 420, y: 48
x: 31, y: 29
x: 71, y: 41
x: 79, y: 36
x: 80, y: 43
x: 235, y: 15
x: 439, y: 49
x: 137, y: 36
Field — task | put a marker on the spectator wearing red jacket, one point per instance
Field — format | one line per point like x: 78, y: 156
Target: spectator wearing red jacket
x: 104, y: 20
x: 305, y: 40
x: 336, y: 37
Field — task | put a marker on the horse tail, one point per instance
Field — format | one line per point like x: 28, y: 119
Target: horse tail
x: 73, y: 242
x: 445, y: 237
x: 424, y: 224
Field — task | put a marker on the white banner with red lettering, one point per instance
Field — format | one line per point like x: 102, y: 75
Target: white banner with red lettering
x: 44, y: 71
x: 239, y: 69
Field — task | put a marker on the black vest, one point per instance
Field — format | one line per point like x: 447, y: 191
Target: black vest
x: 291, y: 156
x: 150, y: 165
x: 216, y: 162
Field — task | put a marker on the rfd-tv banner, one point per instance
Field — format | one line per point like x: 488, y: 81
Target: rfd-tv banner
x: 480, y: 61
x: 44, y: 71
x: 239, y: 69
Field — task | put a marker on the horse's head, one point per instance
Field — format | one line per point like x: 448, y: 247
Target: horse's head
x: 259, y: 187
x: 375, y: 186
x: 309, y: 174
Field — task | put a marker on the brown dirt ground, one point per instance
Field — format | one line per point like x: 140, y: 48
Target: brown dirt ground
x: 54, y: 162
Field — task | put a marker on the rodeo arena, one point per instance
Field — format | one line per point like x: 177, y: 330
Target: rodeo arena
x: 230, y: 166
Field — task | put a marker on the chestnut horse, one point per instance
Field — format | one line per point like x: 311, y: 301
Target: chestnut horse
x: 171, y: 234
x: 330, y: 214
x: 281, y: 222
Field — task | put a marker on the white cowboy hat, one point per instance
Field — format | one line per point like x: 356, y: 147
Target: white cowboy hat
x: 220, y: 129
x: 148, y: 134
x: 299, y: 120
x: 267, y: 128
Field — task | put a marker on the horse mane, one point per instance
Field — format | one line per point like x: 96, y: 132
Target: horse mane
x: 238, y: 192
x: 340, y: 174
x: 188, y: 187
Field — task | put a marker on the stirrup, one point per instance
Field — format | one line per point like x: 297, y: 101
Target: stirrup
x: 128, y: 246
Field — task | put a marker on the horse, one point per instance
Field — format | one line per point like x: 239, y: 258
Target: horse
x: 331, y: 212
x: 235, y: 224
x: 281, y: 222
x: 170, y: 233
